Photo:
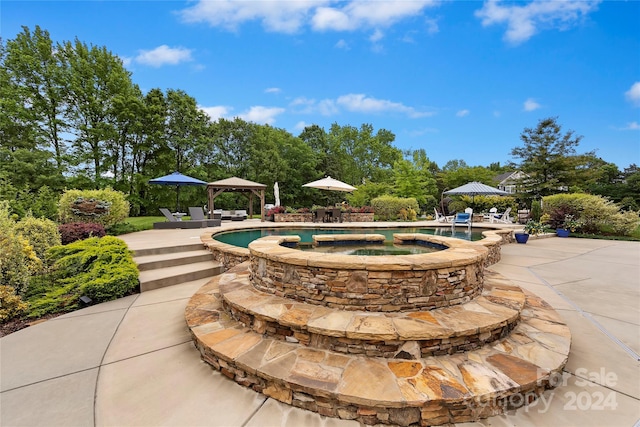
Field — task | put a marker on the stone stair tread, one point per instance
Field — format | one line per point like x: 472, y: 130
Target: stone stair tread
x: 169, y: 256
x: 152, y: 262
x: 499, y: 305
x: 439, y: 388
x: 161, y: 273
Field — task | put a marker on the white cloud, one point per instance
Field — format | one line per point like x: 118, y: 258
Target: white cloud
x: 423, y: 131
x: 360, y: 103
x: 462, y: 113
x: 342, y: 44
x: 432, y: 26
x: 633, y: 94
x: 355, y: 103
x: 358, y: 14
x: 632, y: 126
x: 126, y: 61
x: 376, y: 36
x: 272, y: 90
x: 262, y: 115
x: 524, y: 21
x: 531, y: 105
x: 217, y: 112
x: 497, y: 114
x: 292, y: 16
x: 276, y: 16
x: 327, y: 107
x: 164, y: 55
x: 300, y: 126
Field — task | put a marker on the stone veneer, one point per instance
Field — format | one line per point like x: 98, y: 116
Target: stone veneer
x: 406, y: 335
x: 381, y: 367
x: 387, y: 283
x: 497, y: 378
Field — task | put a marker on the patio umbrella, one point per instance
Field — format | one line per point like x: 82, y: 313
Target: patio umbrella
x: 178, y: 180
x: 276, y: 193
x: 331, y: 184
x: 476, y: 189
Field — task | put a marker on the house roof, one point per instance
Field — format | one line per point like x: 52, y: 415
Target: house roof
x: 503, y: 176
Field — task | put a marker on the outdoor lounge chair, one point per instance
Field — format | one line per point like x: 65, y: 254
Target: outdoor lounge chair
x: 465, y: 218
x: 172, y: 222
x: 197, y: 214
x: 502, y: 218
x: 442, y: 218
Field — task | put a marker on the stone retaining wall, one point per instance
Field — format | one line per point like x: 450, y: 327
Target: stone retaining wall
x: 227, y: 255
x: 371, y: 348
x: 293, y: 217
x: 379, y: 283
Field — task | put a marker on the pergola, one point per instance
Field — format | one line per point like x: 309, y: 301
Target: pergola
x: 214, y: 189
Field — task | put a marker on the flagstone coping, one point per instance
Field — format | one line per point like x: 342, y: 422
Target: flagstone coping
x: 487, y: 318
x: 459, y: 253
x: 462, y: 387
x: 230, y: 255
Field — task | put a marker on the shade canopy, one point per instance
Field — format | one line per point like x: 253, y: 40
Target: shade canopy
x: 476, y: 189
x: 331, y: 184
x: 178, y: 180
x: 247, y: 188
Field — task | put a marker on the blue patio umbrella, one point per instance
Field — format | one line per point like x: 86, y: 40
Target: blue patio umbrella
x: 178, y: 180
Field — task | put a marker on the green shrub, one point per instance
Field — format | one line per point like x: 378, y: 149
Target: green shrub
x: 41, y: 233
x: 11, y: 305
x: 595, y: 214
x: 107, y: 207
x: 123, y: 228
x: 18, y: 260
x: 100, y: 268
x: 536, y: 210
x: 389, y: 207
x: 624, y: 223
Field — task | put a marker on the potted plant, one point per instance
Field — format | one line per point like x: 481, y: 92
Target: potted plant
x: 569, y: 224
x: 531, y: 227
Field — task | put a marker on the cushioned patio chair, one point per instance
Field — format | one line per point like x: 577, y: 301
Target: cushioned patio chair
x: 172, y: 222
x: 502, y: 218
x: 465, y: 218
x: 197, y: 214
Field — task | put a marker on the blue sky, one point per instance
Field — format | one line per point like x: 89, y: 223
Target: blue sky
x: 460, y: 79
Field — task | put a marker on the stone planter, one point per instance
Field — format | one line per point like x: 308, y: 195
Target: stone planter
x: 293, y: 217
x: 357, y: 217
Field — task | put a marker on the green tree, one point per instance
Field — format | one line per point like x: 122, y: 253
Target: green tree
x: 546, y: 157
x: 96, y: 78
x: 33, y: 64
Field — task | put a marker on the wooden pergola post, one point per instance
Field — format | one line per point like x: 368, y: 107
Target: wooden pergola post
x: 214, y: 189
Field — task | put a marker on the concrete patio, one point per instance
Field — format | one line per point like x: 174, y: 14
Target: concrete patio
x: 131, y: 362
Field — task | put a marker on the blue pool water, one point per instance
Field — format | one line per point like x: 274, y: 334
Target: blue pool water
x: 242, y: 238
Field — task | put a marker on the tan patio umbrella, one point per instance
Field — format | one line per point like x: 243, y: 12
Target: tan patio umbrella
x: 330, y: 184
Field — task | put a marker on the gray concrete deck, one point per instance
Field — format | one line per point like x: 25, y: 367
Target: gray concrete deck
x: 130, y: 362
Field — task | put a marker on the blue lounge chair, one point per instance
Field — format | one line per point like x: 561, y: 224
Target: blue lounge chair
x: 465, y: 218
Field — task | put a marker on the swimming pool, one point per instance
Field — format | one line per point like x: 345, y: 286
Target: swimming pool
x: 242, y: 238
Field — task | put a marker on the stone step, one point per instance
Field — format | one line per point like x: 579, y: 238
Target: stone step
x: 152, y: 262
x: 443, y: 330
x: 462, y: 387
x: 169, y: 276
x: 164, y: 249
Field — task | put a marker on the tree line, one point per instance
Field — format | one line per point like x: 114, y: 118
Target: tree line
x: 72, y: 117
